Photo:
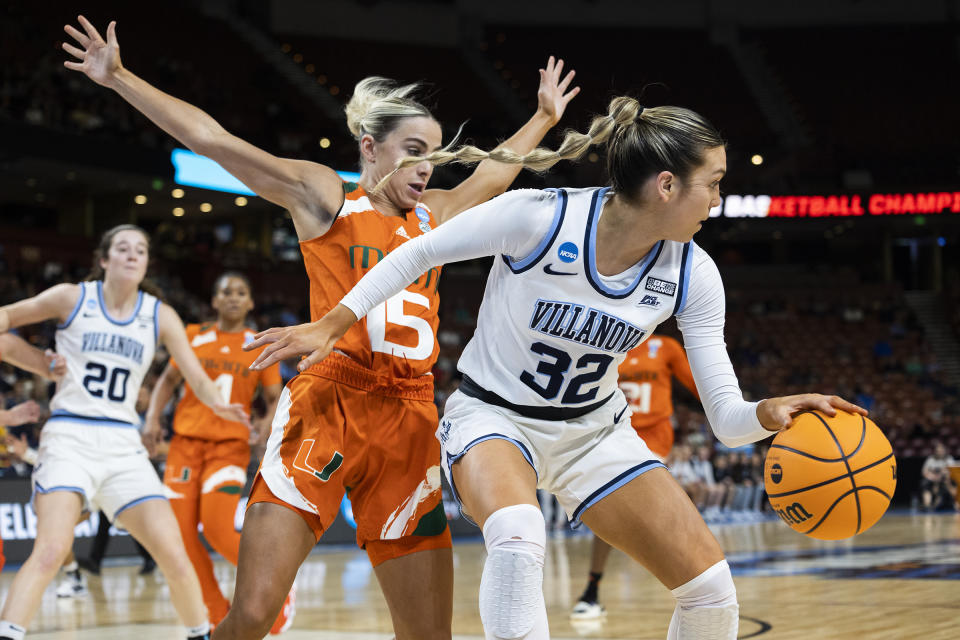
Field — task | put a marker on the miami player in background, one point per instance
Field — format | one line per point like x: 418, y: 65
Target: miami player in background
x: 18, y: 352
x: 365, y: 419
x: 645, y: 377
x: 207, y: 461
x: 109, y: 328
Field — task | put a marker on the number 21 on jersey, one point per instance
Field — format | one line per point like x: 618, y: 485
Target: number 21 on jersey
x: 638, y: 395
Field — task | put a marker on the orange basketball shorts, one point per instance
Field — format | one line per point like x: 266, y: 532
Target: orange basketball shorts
x: 196, y: 466
x: 341, y: 428
x: 659, y: 437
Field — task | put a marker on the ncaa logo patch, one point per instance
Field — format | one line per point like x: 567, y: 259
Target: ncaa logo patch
x: 91, y: 304
x: 568, y: 252
x: 422, y: 214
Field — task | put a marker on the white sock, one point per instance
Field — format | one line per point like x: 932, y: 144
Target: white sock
x: 198, y: 631
x: 12, y: 631
x: 73, y: 566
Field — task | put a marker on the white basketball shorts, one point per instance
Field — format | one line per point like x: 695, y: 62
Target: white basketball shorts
x: 580, y: 461
x: 107, y: 466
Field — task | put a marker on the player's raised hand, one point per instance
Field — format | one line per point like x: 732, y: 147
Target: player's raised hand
x: 777, y: 413
x: 99, y: 59
x: 552, y: 96
x: 314, y: 340
x: 23, y: 413
x: 232, y: 412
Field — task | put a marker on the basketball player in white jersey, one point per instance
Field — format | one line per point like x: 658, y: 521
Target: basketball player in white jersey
x: 90, y: 450
x: 580, y: 277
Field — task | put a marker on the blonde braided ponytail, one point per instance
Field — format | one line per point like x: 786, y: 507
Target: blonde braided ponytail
x: 622, y: 113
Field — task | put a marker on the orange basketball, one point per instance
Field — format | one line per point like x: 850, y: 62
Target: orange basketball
x: 830, y: 478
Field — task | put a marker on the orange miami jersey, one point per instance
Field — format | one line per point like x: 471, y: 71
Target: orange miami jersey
x: 228, y: 365
x: 645, y: 378
x: 398, y: 337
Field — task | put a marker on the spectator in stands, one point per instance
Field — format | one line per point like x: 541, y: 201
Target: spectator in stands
x: 681, y: 467
x: 939, y: 491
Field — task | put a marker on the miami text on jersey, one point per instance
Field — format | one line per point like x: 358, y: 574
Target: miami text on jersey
x: 127, y: 347
x: 596, y: 328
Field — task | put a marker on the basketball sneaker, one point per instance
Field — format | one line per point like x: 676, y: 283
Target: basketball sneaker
x: 73, y: 585
x: 585, y: 610
x: 287, y: 611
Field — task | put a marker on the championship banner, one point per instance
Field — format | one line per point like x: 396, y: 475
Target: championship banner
x: 831, y: 206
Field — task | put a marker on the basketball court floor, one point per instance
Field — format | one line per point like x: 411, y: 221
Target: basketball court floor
x: 899, y: 580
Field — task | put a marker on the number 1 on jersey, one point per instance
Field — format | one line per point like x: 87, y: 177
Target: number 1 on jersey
x: 224, y: 383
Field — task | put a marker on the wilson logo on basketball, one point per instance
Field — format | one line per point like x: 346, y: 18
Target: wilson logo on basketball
x: 794, y: 514
x: 776, y: 473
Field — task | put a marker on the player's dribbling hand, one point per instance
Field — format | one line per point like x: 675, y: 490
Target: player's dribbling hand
x: 552, y: 96
x: 313, y: 339
x: 777, y: 413
x: 99, y: 59
x: 232, y: 412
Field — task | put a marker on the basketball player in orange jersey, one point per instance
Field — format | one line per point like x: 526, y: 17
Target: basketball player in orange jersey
x: 21, y: 354
x: 207, y: 462
x: 365, y: 418
x: 645, y: 379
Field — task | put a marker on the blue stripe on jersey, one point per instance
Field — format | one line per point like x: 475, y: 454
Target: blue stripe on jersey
x: 66, y: 416
x: 612, y: 486
x: 106, y: 315
x: 59, y: 487
x: 685, y: 263
x: 134, y: 503
x: 590, y: 248
x: 452, y: 459
x: 76, y: 308
x: 156, y: 323
x: 519, y: 266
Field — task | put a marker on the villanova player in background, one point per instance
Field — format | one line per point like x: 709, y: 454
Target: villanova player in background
x: 90, y: 451
x: 539, y: 403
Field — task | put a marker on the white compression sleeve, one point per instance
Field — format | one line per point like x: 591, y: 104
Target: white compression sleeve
x: 511, y: 586
x: 733, y: 419
x: 511, y: 224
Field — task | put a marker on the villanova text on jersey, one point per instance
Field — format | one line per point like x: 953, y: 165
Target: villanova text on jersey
x: 124, y: 346
x: 584, y: 325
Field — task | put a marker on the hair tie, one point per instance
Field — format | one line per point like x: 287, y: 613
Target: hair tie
x: 640, y: 113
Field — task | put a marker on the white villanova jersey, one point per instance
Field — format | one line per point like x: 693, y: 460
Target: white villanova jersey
x: 107, y: 359
x: 551, y: 330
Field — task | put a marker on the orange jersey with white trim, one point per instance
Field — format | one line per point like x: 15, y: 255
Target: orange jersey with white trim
x: 645, y: 379
x: 228, y: 365
x: 396, y: 338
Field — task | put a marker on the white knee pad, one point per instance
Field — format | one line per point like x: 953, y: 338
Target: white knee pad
x: 511, y: 588
x: 707, y: 607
